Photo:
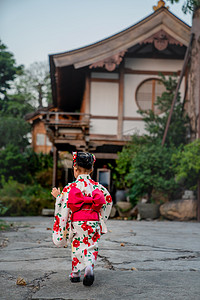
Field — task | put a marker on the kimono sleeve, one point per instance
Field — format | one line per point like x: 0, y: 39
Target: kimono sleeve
x: 61, y: 219
x: 106, y: 208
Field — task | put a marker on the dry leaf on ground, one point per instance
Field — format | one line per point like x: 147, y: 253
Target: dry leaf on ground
x: 20, y: 281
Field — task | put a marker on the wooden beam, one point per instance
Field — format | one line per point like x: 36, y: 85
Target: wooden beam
x: 106, y: 155
x: 104, y: 117
x: 149, y: 72
x: 58, y: 84
x: 87, y: 94
x: 153, y: 94
x: 55, y: 162
x: 105, y: 80
x: 132, y: 118
x: 120, y: 102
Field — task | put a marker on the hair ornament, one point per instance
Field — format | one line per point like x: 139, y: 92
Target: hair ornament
x: 94, y: 158
x: 74, y: 154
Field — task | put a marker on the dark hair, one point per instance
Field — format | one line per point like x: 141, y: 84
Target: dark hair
x: 85, y: 160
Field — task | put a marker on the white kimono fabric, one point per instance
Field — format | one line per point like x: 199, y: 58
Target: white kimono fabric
x: 83, y: 235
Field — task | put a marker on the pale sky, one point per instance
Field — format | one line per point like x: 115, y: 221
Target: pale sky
x: 33, y: 29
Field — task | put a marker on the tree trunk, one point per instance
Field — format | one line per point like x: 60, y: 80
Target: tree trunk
x: 194, y: 77
x: 194, y: 87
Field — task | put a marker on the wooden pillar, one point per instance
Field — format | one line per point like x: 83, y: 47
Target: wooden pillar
x: 58, y: 85
x: 87, y: 94
x: 55, y: 163
x: 120, y: 103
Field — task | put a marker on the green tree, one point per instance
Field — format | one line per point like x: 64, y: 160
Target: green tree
x: 144, y: 165
x: 8, y: 69
x: 151, y: 169
x: 155, y: 123
x: 187, y: 164
x: 35, y: 84
x: 188, y: 5
x: 123, y: 163
x: 13, y: 106
x: 13, y: 164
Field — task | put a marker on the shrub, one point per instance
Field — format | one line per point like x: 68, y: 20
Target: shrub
x: 151, y: 169
x: 187, y: 164
x: 17, y: 199
x: 123, y: 163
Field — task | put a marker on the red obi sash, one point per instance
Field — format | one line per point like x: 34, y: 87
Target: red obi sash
x: 85, y: 208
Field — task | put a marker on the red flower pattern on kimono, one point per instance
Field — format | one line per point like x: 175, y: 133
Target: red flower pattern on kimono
x: 65, y: 189
x: 93, y: 182
x: 84, y: 244
x: 85, y: 241
x: 76, y: 243
x: 90, y: 230
x: 82, y: 180
x: 75, y: 262
x: 96, y: 236
x: 56, y: 224
x: 84, y: 226
x: 95, y: 253
x: 108, y: 199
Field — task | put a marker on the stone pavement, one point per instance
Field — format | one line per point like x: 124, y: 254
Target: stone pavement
x: 137, y: 260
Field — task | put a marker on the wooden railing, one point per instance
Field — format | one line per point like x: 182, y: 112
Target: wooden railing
x: 66, y: 119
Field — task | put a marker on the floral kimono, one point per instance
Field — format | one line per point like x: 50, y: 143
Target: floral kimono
x: 81, y: 211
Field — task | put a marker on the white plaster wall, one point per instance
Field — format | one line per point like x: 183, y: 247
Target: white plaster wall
x: 131, y: 82
x: 103, y: 126
x: 147, y: 64
x: 104, y: 98
x: 131, y: 127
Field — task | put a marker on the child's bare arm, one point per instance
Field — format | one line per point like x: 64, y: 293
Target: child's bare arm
x: 55, y: 192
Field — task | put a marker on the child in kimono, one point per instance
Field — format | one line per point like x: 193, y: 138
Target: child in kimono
x: 81, y: 211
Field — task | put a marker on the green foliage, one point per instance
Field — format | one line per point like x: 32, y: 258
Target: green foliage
x: 15, y: 106
x: 37, y: 161
x: 188, y: 6
x: 13, y: 163
x: 13, y: 131
x: 151, y: 169
x: 144, y: 166
x: 123, y: 163
x: 155, y: 124
x: 17, y: 199
x: 45, y: 176
x: 8, y: 68
x: 187, y: 164
x: 22, y: 166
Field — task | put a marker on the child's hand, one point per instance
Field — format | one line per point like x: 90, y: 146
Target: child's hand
x: 55, y: 192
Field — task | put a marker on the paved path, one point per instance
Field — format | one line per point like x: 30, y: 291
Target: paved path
x: 165, y: 257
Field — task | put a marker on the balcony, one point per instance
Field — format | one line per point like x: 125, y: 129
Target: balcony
x: 67, y: 127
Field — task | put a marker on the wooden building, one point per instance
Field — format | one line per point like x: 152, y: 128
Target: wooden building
x: 98, y: 89
x: 40, y: 141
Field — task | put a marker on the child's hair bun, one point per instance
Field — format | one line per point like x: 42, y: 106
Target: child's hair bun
x: 85, y: 160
